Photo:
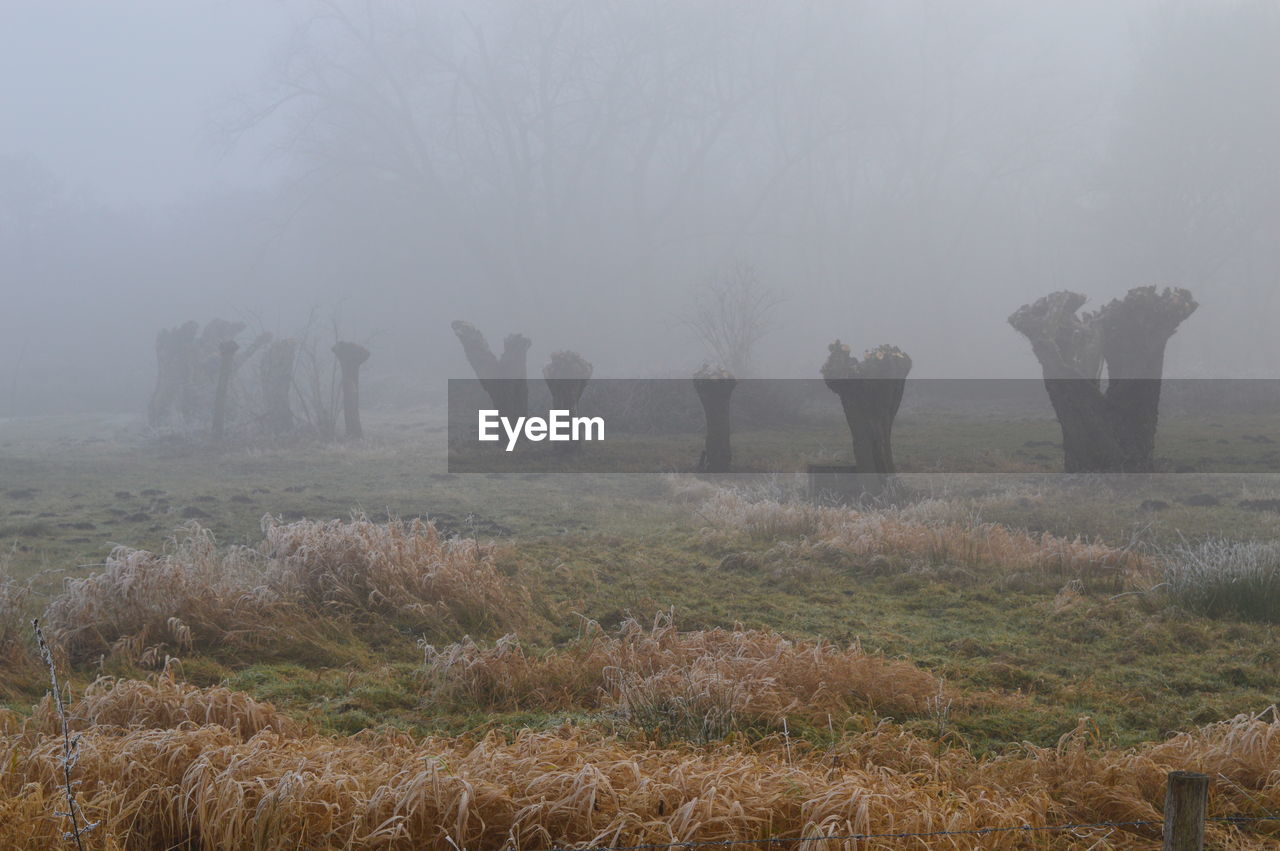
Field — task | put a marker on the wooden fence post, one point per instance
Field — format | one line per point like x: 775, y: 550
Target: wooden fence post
x: 1185, y: 800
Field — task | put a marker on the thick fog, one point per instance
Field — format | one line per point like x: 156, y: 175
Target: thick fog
x: 893, y: 172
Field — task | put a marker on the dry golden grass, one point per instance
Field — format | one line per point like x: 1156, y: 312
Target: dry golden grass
x: 213, y: 787
x: 925, y: 533
x: 704, y: 682
x: 143, y: 605
x: 405, y: 570
x: 163, y: 702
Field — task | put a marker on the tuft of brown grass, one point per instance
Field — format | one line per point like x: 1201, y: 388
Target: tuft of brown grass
x: 305, y: 578
x: 164, y: 702
x: 210, y: 787
x: 704, y: 683
x: 926, y: 534
x: 405, y: 570
x: 142, y: 603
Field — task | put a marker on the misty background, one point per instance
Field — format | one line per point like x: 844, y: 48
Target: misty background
x: 895, y: 172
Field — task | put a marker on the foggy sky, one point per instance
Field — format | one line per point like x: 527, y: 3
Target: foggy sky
x: 897, y: 172
x: 119, y: 100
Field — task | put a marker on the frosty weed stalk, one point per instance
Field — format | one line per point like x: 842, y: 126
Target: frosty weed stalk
x: 70, y: 748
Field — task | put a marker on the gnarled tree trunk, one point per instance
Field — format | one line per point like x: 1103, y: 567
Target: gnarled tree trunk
x: 714, y: 386
x: 196, y: 401
x: 503, y: 379
x: 226, y: 366
x: 350, y: 357
x: 277, y: 382
x: 175, y: 356
x: 1136, y: 332
x: 870, y: 393
x: 1111, y: 430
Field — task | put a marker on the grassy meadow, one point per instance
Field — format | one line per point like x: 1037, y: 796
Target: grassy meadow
x: 306, y: 645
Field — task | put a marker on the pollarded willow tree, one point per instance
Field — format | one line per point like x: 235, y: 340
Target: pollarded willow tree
x: 503, y: 378
x: 351, y: 356
x: 870, y: 392
x: 226, y: 366
x: 276, y: 373
x: 1111, y: 429
x: 175, y: 359
x: 567, y: 374
x: 714, y: 386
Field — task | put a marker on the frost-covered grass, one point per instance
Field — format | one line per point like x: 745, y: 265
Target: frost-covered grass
x: 1222, y: 579
x: 1002, y: 585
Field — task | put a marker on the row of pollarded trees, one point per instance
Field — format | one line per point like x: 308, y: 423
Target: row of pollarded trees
x: 870, y: 393
x: 198, y: 382
x: 1105, y: 429
x: 192, y: 363
x: 198, y: 371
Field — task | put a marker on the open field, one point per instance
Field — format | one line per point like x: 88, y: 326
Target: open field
x: 626, y: 658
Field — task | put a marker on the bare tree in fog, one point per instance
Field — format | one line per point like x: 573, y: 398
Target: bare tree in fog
x: 524, y: 158
x: 317, y: 382
x: 732, y: 313
x: 509, y: 128
x: 570, y: 168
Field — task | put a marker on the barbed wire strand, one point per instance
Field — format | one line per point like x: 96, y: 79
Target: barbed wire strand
x: 981, y: 831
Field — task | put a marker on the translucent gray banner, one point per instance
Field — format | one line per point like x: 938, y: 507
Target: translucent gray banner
x: 878, y: 426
